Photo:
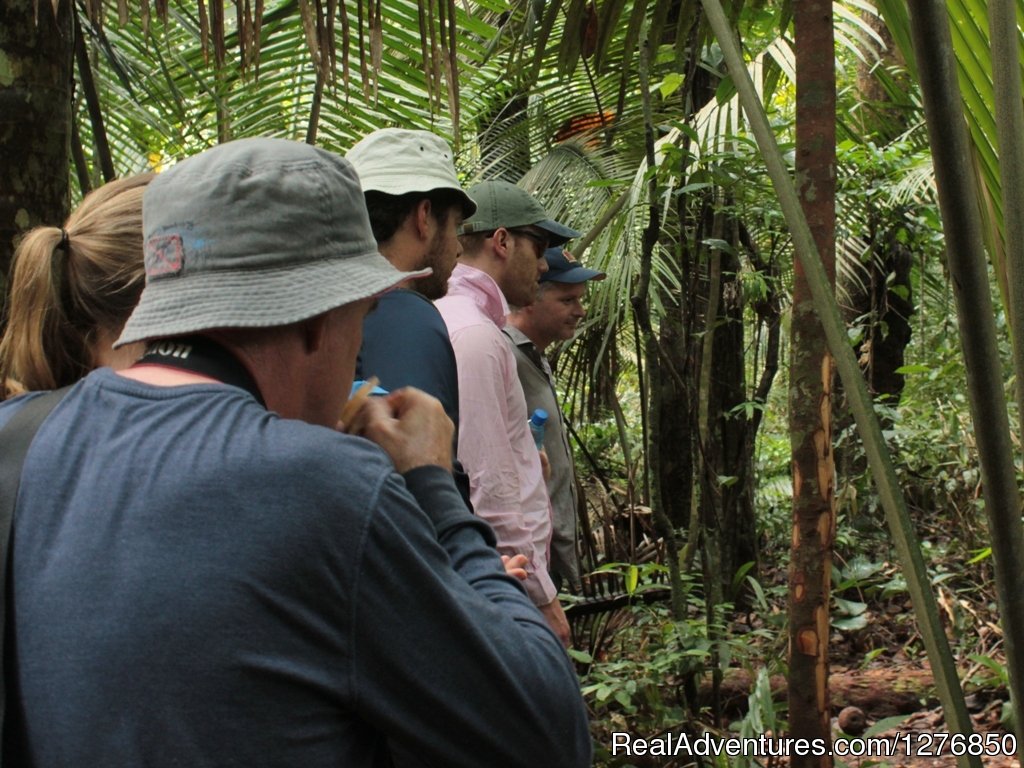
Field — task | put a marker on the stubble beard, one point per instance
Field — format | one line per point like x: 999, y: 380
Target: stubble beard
x: 435, y: 286
x: 524, y: 290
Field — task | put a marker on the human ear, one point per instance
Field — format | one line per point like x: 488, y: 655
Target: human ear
x: 424, y: 217
x: 500, y: 239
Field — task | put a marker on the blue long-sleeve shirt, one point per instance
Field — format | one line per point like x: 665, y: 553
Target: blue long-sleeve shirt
x: 199, y: 582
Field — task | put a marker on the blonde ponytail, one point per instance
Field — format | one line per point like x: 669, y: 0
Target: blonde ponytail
x: 69, y: 284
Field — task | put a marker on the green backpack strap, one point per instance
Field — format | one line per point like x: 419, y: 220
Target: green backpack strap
x: 15, y: 439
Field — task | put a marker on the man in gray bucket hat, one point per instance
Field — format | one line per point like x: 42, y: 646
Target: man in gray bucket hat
x: 200, y: 555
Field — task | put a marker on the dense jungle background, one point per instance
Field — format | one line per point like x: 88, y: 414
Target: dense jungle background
x: 795, y: 398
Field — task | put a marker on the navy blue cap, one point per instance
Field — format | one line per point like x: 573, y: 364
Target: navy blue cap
x: 562, y: 268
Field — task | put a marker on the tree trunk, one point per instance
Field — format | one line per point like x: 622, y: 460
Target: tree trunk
x: 35, y: 118
x: 727, y: 500
x: 674, y: 423
x: 885, y: 296
x: 889, y: 303
x: 810, y: 405
x: 880, y: 295
x: 739, y: 525
x: 878, y: 115
x: 651, y: 351
x: 881, y: 300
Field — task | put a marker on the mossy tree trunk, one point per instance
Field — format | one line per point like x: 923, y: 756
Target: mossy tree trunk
x: 810, y: 407
x: 675, y: 423
x: 36, y: 59
x: 726, y: 451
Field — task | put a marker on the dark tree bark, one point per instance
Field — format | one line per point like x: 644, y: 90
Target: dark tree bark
x: 729, y: 388
x: 811, y: 387
x: 886, y: 300
x: 36, y: 76
x: 675, y: 422
x: 727, y: 509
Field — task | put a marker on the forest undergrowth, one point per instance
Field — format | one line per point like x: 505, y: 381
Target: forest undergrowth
x: 644, y: 674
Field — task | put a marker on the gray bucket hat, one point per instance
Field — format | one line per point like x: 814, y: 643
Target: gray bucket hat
x: 503, y: 204
x: 255, y: 233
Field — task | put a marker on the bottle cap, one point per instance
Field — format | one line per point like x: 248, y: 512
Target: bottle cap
x: 539, y: 417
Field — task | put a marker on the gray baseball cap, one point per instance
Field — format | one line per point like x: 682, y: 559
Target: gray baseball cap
x: 398, y: 161
x: 255, y: 233
x: 502, y: 204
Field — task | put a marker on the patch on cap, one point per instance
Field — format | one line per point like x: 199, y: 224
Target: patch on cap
x: 165, y: 255
x: 563, y: 268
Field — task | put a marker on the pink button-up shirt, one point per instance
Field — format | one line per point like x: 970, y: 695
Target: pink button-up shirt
x: 495, y: 444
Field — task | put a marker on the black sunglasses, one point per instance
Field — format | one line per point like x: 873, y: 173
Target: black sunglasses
x: 541, y: 240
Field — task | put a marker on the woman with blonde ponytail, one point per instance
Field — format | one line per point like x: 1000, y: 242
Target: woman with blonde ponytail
x: 72, y: 289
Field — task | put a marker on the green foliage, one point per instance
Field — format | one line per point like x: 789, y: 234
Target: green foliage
x: 640, y: 686
x: 990, y: 672
x: 762, y: 715
x: 601, y: 438
x: 646, y: 681
x: 861, y: 581
x: 931, y: 437
x: 612, y: 443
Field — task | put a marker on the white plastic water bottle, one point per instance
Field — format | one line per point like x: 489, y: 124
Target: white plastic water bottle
x: 537, y: 421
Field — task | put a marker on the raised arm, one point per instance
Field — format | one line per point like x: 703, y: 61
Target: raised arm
x: 450, y: 658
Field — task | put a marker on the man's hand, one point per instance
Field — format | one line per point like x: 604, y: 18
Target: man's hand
x: 545, y: 465
x: 515, y: 566
x: 556, y: 620
x: 410, y: 425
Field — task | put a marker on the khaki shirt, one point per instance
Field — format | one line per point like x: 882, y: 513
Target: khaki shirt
x: 539, y: 387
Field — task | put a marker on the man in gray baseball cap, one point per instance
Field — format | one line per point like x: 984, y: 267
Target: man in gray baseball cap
x: 503, y: 257
x: 200, y: 553
x: 501, y: 204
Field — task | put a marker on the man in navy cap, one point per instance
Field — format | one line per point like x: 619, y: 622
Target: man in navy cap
x: 533, y: 329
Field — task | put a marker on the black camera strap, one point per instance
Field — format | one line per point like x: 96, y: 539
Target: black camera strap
x: 198, y: 354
